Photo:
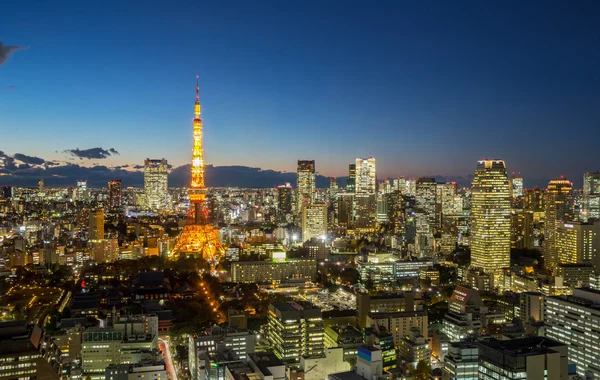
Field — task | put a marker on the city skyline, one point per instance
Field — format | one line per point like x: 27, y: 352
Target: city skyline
x: 307, y: 75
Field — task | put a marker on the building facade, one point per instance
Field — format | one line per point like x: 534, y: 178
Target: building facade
x: 156, y: 174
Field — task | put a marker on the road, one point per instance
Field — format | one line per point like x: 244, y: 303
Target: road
x: 164, y: 346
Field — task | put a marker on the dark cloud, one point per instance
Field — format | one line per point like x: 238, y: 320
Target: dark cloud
x: 7, y: 51
x: 92, y: 153
x: 12, y: 86
x: 138, y: 166
x: 29, y: 159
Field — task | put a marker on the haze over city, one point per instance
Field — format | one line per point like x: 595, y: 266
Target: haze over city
x: 409, y: 83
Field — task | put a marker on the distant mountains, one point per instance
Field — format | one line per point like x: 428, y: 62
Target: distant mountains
x: 26, y: 171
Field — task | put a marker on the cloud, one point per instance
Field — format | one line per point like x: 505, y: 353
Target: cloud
x: 7, y: 51
x: 29, y: 159
x: 92, y: 153
x: 12, y: 86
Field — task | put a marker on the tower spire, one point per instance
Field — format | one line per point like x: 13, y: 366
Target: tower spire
x: 197, y: 89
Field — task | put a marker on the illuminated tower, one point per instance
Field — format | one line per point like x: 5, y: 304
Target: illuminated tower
x: 559, y: 208
x: 490, y: 217
x: 198, y: 238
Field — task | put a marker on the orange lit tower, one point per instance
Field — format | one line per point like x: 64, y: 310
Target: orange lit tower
x: 198, y: 238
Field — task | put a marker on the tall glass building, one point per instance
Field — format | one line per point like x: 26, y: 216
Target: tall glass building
x: 306, y: 183
x: 156, y: 174
x: 559, y: 208
x: 490, y: 217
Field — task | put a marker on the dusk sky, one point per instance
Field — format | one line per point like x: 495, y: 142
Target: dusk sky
x: 427, y: 88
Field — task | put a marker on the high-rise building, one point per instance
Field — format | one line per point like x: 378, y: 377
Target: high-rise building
x: 115, y: 193
x: 156, y: 174
x: 96, y: 224
x: 575, y: 321
x: 490, y: 217
x: 366, y: 176
x: 351, y: 184
x: 559, y: 208
x: 314, y: 221
x: 447, y: 201
x: 306, y: 183
x: 198, y: 238
x: 591, y: 196
x: 425, y: 215
x: 461, y: 362
x: 521, y: 226
x: 345, y: 210
x: 285, y: 202
x: 577, y: 242
x: 81, y: 191
x: 295, y: 329
x: 333, y: 189
x: 366, y: 193
x: 524, y: 358
x: 516, y: 186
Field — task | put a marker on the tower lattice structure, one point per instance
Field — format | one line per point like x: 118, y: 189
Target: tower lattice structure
x: 198, y: 238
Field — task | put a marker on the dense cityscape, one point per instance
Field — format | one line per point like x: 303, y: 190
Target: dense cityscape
x: 369, y: 278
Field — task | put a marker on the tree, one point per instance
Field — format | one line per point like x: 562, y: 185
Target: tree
x: 422, y: 371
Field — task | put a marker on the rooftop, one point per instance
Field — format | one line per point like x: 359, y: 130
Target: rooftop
x: 522, y: 347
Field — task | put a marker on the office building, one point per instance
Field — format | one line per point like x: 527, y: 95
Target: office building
x: 425, y: 215
x: 526, y: 358
x: 156, y: 174
x: 388, y: 303
x: 521, y: 229
x: 314, y: 221
x: 559, y: 208
x: 280, y: 271
x: 305, y: 183
x: 21, y: 352
x: 461, y: 362
x: 345, y: 210
x: 333, y: 189
x: 295, y: 329
x: 399, y: 323
x: 351, y: 184
x: 240, y: 341
x: 149, y: 369
x: 347, y: 337
x: 575, y: 321
x: 96, y: 224
x: 414, y: 347
x: 531, y: 307
x: 577, y: 242
x: 490, y: 217
x: 285, y: 203
x: 516, y: 187
x: 115, y: 193
x: 591, y: 196
x: 366, y: 176
x: 366, y: 193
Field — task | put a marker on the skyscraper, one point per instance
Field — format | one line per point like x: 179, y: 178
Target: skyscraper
x: 198, y: 238
x: 314, y: 221
x: 559, y: 208
x: 96, y: 224
x: 366, y: 193
x: 345, y: 210
x: 156, y: 173
x: 333, y: 189
x: 306, y: 183
x: 591, y: 196
x: 425, y: 215
x: 81, y: 192
x: 516, y: 184
x: 366, y: 176
x: 115, y: 193
x: 351, y: 185
x: 284, y: 202
x: 490, y: 217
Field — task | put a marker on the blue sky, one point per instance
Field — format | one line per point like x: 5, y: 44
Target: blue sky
x: 426, y: 87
